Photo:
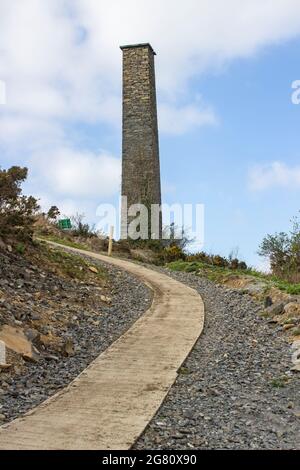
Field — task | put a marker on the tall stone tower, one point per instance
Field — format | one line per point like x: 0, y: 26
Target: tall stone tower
x: 140, y: 153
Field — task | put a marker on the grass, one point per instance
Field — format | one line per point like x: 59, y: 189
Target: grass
x: 64, y: 242
x: 219, y: 274
x: 20, y: 248
x: 67, y: 264
x: 292, y: 289
x: 214, y: 273
x: 184, y: 371
x: 279, y: 382
x: 71, y: 265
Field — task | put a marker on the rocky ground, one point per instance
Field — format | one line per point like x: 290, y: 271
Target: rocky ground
x: 58, y: 318
x: 236, y: 390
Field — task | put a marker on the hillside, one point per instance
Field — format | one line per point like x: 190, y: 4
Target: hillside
x: 58, y: 311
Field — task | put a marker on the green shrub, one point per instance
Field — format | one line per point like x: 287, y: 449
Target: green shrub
x: 191, y: 268
x: 179, y: 265
x: 81, y: 228
x: 17, y: 212
x: 283, y: 251
x: 53, y: 213
x: 172, y: 253
x: 20, y: 248
x: 219, y: 261
x: 242, y: 266
x: 201, y: 256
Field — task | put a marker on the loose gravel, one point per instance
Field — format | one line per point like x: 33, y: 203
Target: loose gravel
x: 236, y: 390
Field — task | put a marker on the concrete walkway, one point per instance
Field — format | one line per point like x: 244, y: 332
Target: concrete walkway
x: 111, y: 402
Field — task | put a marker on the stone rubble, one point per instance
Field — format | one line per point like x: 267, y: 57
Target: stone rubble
x: 236, y: 390
x: 86, y: 324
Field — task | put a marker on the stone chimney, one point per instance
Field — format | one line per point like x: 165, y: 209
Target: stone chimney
x: 140, y: 148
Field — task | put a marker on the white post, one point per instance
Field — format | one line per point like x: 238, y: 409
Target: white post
x: 2, y: 353
x: 110, y: 243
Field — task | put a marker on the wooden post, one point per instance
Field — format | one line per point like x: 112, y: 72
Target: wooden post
x: 110, y: 243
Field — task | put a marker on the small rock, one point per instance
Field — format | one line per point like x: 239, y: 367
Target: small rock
x: 268, y: 302
x: 275, y: 309
x: 69, y: 347
x: 177, y: 436
x: 15, y: 339
x: 189, y: 414
x: 160, y: 423
x: 35, y: 316
x: 32, y: 334
x: 288, y: 326
x: 60, y: 317
x: 296, y: 344
x: 2, y: 244
x: 45, y: 340
x: 292, y: 309
x: 105, y: 299
x: 51, y: 357
x: 31, y: 358
x: 93, y: 269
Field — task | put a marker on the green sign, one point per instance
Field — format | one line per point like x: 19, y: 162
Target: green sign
x: 65, y: 224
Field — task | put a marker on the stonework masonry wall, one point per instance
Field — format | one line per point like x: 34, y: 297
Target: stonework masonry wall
x: 140, y: 149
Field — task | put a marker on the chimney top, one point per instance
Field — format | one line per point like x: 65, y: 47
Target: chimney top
x: 143, y: 44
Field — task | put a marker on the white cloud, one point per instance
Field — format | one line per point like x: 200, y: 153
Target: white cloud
x: 27, y: 133
x: 78, y: 174
x: 273, y: 175
x: 263, y: 266
x: 61, y: 59
x: 74, y: 181
x: 181, y: 119
x: 61, y: 64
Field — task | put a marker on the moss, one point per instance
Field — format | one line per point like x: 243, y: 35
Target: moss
x: 184, y: 371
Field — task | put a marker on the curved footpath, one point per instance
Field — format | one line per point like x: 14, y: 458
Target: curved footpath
x: 111, y: 402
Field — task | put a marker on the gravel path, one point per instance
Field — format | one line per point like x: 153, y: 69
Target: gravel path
x: 235, y: 390
x: 130, y: 299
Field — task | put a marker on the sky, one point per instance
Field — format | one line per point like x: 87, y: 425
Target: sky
x: 229, y: 128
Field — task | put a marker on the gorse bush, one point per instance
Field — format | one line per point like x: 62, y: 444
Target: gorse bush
x: 17, y: 212
x: 218, y: 261
x: 172, y: 253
